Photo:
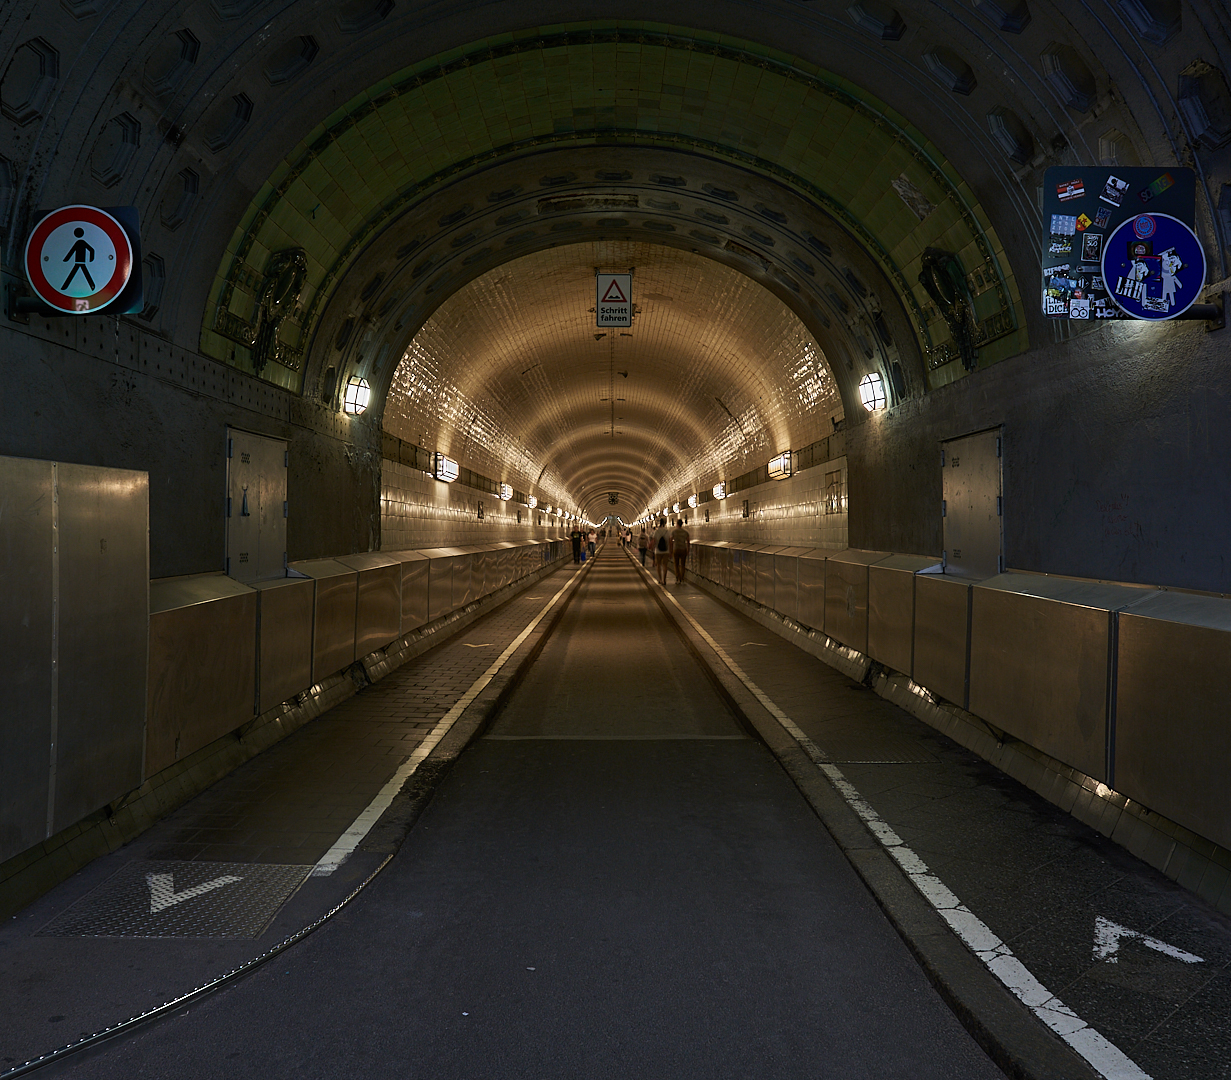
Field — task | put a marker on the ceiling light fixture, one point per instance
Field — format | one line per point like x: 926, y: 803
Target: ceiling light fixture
x: 445, y: 469
x: 720, y: 490
x: 780, y: 467
x: 358, y: 394
x: 506, y: 491
x: 872, y: 391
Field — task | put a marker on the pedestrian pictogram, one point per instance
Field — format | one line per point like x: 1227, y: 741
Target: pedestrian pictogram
x: 78, y: 259
x: 614, y: 295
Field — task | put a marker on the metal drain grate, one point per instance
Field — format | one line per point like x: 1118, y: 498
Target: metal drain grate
x: 160, y: 899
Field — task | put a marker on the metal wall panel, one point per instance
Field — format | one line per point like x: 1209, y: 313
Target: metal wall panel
x: 786, y: 581
x: 763, y: 589
x: 26, y: 638
x: 463, y: 579
x: 1172, y: 738
x: 1039, y: 662
x: 891, y: 609
x: 440, y: 584
x: 284, y: 639
x: 378, y: 616
x: 846, y: 596
x: 971, y: 489
x: 811, y: 585
x: 942, y: 634
x: 202, y: 681
x: 256, y: 489
x: 414, y: 588
x: 333, y: 617
x: 104, y: 622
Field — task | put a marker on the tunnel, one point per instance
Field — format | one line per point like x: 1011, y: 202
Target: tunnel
x: 369, y: 392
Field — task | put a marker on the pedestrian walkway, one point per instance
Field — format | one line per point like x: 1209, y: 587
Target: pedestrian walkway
x: 1142, y: 961
x: 76, y: 962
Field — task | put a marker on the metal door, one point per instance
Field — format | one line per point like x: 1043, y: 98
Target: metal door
x: 256, y: 506
x: 972, y: 506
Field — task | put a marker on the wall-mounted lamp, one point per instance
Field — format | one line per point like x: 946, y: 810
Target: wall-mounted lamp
x: 675, y: 508
x: 532, y: 501
x: 692, y: 501
x: 506, y: 491
x: 720, y: 490
x: 358, y: 394
x: 559, y: 512
x: 872, y: 391
x: 445, y: 469
x: 780, y: 467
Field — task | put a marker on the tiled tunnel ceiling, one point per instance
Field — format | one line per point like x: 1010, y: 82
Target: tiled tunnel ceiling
x: 367, y: 169
x: 511, y: 374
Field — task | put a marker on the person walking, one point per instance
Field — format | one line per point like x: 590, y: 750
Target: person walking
x: 593, y: 541
x: 643, y: 543
x: 680, y: 543
x: 575, y: 536
x: 662, y: 550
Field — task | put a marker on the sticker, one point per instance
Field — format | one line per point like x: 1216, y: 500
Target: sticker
x: 1057, y: 291
x: 1083, y: 223
x: 1114, y: 190
x: 1101, y: 217
x: 1071, y: 189
x: 1157, y: 188
x: 1091, y: 247
x: 1063, y: 227
x: 1103, y: 308
x: 1079, y: 309
x: 1143, y: 226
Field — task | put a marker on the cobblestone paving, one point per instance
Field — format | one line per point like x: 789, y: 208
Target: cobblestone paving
x: 1038, y: 877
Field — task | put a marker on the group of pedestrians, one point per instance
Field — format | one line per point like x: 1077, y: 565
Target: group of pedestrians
x: 668, y: 545
x: 583, y: 544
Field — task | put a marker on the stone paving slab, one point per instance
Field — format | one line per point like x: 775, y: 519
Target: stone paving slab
x: 1035, y: 875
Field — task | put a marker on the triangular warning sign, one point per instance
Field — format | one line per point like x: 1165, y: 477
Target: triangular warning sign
x: 613, y: 295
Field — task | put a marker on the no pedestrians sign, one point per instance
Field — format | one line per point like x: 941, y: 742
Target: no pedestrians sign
x: 614, y: 305
x: 79, y: 259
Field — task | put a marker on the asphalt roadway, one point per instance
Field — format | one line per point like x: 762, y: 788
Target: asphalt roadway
x: 614, y: 880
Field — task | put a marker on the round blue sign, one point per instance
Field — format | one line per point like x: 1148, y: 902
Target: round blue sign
x: 1153, y: 266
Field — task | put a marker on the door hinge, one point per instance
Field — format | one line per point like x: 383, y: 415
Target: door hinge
x: 998, y: 441
x: 999, y: 505
x: 944, y: 507
x: 286, y: 459
x: 285, y: 508
x: 230, y: 447
x: 228, y: 506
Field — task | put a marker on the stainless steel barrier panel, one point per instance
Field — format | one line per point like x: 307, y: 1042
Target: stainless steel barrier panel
x: 942, y: 635
x: 725, y: 563
x: 786, y: 581
x: 74, y: 619
x: 891, y: 609
x: 699, y: 556
x: 811, y: 586
x: 1040, y: 660
x: 440, y: 581
x: 763, y: 580
x: 463, y: 578
x: 202, y: 681
x: 284, y: 638
x: 1173, y: 700
x: 378, y: 617
x: 846, y: 596
x: 414, y: 588
x: 480, y: 568
x: 743, y: 569
x: 333, y: 615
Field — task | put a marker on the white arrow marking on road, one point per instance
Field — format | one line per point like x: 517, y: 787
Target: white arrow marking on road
x: 1108, y: 935
x: 163, y: 894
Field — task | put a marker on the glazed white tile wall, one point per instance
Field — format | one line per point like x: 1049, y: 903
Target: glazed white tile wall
x: 417, y: 510
x: 787, y: 512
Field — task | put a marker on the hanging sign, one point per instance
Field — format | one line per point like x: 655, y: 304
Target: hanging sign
x: 1154, y: 266
x: 79, y: 260
x: 614, y: 305
x: 1084, y: 208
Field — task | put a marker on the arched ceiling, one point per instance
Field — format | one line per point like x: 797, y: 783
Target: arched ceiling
x: 510, y: 374
x: 868, y: 181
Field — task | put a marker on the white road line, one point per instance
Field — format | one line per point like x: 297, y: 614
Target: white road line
x: 1107, y: 1059
x: 362, y: 825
